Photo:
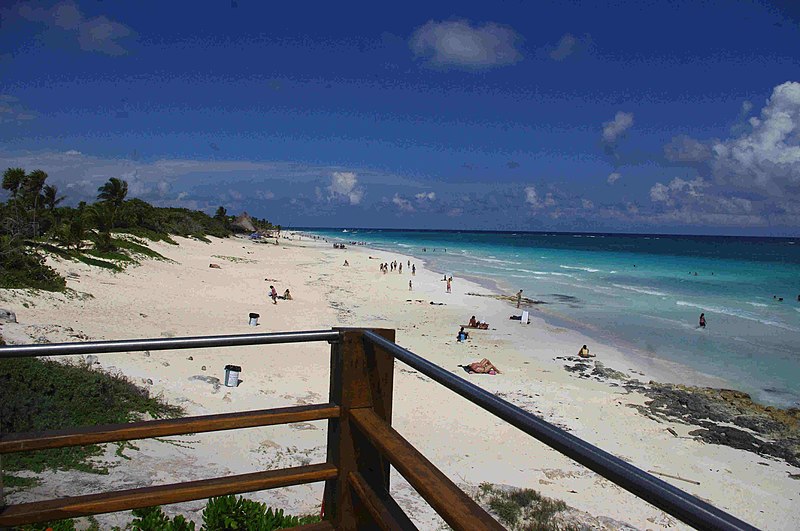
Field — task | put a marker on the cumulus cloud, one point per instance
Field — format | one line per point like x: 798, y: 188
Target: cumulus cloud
x: 676, y: 189
x: 403, y: 204
x: 587, y: 204
x: 344, y: 184
x: 98, y: 34
x: 612, y: 178
x: 615, y: 128
x: 459, y: 44
x: 766, y: 159
x: 569, y: 45
x: 686, y: 149
x: 532, y: 198
x: 430, y: 196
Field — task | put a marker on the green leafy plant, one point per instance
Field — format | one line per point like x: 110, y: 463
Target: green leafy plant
x: 225, y: 513
x: 154, y: 519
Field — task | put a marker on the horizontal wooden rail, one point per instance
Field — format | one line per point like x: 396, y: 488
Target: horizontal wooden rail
x: 452, y: 504
x: 19, y: 442
x: 124, y: 500
x: 384, y: 511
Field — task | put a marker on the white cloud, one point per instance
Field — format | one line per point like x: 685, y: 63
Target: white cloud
x: 615, y: 128
x: 613, y: 177
x: 767, y: 159
x: 72, y: 152
x: 266, y: 194
x: 677, y: 190
x: 455, y: 212
x: 565, y: 47
x: 587, y: 204
x: 345, y: 184
x: 746, y: 107
x: 532, y: 198
x: 686, y: 149
x: 548, y: 200
x: 182, y: 196
x: 430, y: 196
x: 459, y: 44
x: 98, y: 34
x: 235, y: 195
x: 403, y: 204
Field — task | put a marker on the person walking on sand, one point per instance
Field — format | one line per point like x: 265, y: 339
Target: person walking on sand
x: 448, y: 286
x: 409, y: 286
x: 414, y: 273
x: 519, y: 298
x: 273, y: 294
x: 702, y: 320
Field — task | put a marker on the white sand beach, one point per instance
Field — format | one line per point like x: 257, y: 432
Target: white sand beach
x: 184, y: 297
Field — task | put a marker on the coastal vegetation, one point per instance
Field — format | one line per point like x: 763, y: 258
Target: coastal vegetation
x: 41, y: 395
x: 111, y: 233
x: 221, y: 513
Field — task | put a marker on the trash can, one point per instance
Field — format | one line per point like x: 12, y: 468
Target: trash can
x: 254, y: 319
x: 232, y: 375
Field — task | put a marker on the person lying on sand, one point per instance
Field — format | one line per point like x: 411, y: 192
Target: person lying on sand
x: 474, y: 323
x: 481, y: 367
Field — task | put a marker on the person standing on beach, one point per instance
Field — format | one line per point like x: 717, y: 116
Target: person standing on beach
x: 519, y: 298
x: 448, y: 286
x: 409, y: 285
x: 273, y: 294
x: 414, y: 272
x: 702, y: 320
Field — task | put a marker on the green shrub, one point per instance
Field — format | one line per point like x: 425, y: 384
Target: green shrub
x: 154, y: 519
x: 231, y: 513
x: 21, y: 267
x: 41, y: 395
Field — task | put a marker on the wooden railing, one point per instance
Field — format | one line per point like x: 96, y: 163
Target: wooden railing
x: 361, y: 445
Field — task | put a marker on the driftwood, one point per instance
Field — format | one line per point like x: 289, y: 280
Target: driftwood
x: 673, y: 477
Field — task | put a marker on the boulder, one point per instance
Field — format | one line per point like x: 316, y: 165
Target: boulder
x: 7, y: 316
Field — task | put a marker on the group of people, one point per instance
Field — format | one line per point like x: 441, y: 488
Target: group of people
x: 397, y: 266
x: 273, y: 294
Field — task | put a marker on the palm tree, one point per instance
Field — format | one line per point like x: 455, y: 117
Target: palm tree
x: 114, y: 193
x: 50, y: 197
x: 32, y: 187
x: 12, y: 180
x: 51, y: 200
x: 102, y: 216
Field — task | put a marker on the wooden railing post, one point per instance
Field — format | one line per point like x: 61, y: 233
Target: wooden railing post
x: 361, y: 377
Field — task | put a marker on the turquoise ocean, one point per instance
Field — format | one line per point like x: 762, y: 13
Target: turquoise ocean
x: 640, y: 293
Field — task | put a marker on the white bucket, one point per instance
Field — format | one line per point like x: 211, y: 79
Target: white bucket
x: 254, y: 319
x: 232, y: 375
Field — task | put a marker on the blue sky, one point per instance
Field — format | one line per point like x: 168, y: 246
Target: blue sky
x: 613, y: 116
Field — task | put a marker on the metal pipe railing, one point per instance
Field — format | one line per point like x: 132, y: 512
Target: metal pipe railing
x: 172, y: 343
x: 669, y: 498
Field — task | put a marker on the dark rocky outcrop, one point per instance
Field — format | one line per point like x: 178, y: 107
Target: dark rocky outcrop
x: 723, y: 416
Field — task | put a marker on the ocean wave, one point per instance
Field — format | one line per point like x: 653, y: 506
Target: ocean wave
x: 650, y: 291
x: 741, y: 314
x: 589, y: 269
x: 760, y: 305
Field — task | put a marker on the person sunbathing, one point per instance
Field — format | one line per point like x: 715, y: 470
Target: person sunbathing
x: 482, y: 367
x: 474, y: 323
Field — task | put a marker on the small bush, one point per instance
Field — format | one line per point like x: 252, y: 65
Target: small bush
x: 523, y: 508
x: 231, y: 513
x: 154, y: 519
x: 41, y: 395
x: 21, y: 267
